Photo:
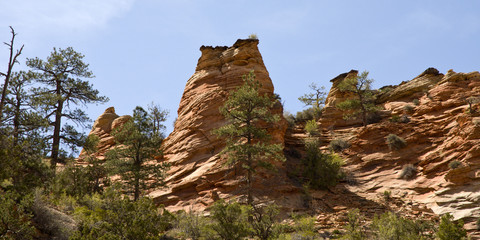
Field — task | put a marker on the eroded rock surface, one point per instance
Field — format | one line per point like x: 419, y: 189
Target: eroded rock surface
x: 198, y: 175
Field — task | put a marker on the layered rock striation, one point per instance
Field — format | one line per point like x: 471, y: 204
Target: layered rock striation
x: 198, y: 175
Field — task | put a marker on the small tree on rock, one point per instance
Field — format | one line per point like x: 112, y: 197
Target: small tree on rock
x: 362, y: 104
x: 247, y: 138
x: 315, y: 99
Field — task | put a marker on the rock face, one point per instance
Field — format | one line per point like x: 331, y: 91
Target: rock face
x: 441, y: 130
x: 198, y: 175
x: 102, y: 127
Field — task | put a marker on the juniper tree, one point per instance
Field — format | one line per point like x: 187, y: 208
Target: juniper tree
x: 247, y: 139
x: 133, y: 157
x: 362, y: 103
x: 62, y: 75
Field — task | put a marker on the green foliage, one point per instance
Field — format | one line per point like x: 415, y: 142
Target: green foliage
x: 263, y: 222
x: 395, y: 142
x: 290, y: 119
x: 315, y: 99
x: 387, y: 195
x: 320, y: 170
x: 389, y: 226
x: 353, y: 228
x: 408, y: 171
x: 308, y: 114
x: 363, y: 102
x: 63, y: 88
x: 449, y: 230
x: 311, y: 127
x: 408, y: 108
x: 416, y: 102
x: 113, y: 216
x: 472, y: 101
x: 247, y: 140
x: 478, y: 223
x: 133, y: 158
x: 192, y: 225
x: 253, y: 36
x: 454, y: 164
x: 338, y: 145
x: 304, y: 228
x: 230, y: 220
x: 15, y: 216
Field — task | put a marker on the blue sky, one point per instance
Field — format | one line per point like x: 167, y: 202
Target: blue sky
x: 145, y: 50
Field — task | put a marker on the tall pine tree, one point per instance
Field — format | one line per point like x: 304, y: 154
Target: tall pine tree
x: 247, y: 111
x: 62, y: 75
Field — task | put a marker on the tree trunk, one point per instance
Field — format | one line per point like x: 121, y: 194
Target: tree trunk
x: 56, y: 135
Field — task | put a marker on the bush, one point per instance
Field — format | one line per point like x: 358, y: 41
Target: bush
x: 408, y: 108
x: 374, y: 117
x: 391, y: 226
x: 15, y: 216
x: 454, y: 164
x: 416, y: 102
x: 303, y: 229
x: 395, y: 118
x: 478, y: 224
x: 395, y: 142
x: 404, y: 119
x: 353, y: 229
x: 449, y: 230
x: 264, y: 224
x: 191, y: 225
x: 229, y: 220
x: 311, y: 127
x: 253, y: 36
x: 320, y: 170
x: 338, y: 145
x: 308, y: 114
x: 113, y: 216
x: 408, y: 171
x: 387, y: 195
x: 290, y: 119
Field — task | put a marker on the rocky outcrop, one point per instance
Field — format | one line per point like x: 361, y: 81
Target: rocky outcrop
x: 198, y: 176
x: 441, y: 130
x: 102, y: 127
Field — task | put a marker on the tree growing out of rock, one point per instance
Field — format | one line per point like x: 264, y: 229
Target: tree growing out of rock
x: 132, y: 159
x: 362, y: 103
x: 63, y: 88
x: 315, y: 99
x: 247, y: 140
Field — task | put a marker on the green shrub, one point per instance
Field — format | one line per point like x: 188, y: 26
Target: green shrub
x: 263, y: 222
x: 308, y: 114
x: 290, y: 119
x: 15, y: 216
x: 253, y: 36
x: 395, y: 118
x: 478, y: 223
x: 390, y: 226
x: 404, y: 119
x: 303, y: 229
x: 449, y: 230
x: 408, y: 108
x: 230, y: 220
x: 454, y: 164
x: 320, y: 170
x: 408, y: 171
x: 387, y: 195
x: 311, y: 127
x: 416, y: 102
x: 338, y: 145
x: 113, y: 216
x: 395, y: 142
x: 353, y: 228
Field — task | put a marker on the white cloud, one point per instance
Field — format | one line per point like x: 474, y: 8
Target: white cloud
x: 61, y: 15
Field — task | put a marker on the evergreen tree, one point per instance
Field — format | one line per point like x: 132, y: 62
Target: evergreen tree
x: 314, y: 99
x: 362, y: 104
x: 64, y: 88
x: 247, y: 138
x: 133, y: 158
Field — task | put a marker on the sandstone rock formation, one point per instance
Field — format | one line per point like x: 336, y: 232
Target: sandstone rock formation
x: 198, y: 175
x: 440, y: 131
x: 102, y: 127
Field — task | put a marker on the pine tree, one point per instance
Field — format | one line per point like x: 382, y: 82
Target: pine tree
x: 362, y: 104
x: 133, y: 158
x: 63, y: 89
x: 246, y: 135
x: 314, y: 99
